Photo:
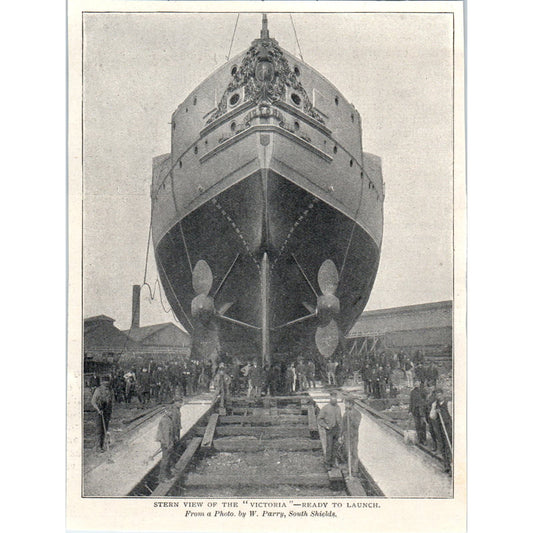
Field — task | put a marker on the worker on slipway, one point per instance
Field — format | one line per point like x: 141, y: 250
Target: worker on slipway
x: 168, y: 435
x: 330, y: 419
x: 330, y: 369
x: 349, y: 438
x: 310, y: 374
x: 417, y: 407
x: 443, y: 427
x: 222, y: 382
x: 102, y: 401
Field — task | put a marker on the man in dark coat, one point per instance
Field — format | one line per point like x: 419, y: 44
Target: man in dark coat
x: 417, y: 407
x: 349, y: 438
x: 330, y: 419
x: 102, y: 401
x: 443, y: 428
x: 310, y: 373
x: 168, y: 434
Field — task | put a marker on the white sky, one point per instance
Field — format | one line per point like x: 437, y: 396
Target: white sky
x: 396, y: 69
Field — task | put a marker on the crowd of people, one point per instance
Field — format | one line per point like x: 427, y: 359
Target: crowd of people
x: 155, y: 383
x: 165, y: 382
x: 380, y: 372
x: 429, y: 409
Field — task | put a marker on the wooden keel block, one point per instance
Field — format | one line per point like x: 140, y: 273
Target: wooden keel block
x: 263, y: 420
x: 252, y: 444
x: 264, y: 432
x: 312, y: 422
x: 263, y: 480
x: 336, y: 481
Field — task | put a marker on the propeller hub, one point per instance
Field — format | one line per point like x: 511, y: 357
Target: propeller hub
x: 203, y: 308
x: 328, y: 307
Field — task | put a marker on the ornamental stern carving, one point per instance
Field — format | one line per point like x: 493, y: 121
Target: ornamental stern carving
x: 265, y: 75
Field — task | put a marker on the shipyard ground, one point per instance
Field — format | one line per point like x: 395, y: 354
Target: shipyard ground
x: 264, y: 448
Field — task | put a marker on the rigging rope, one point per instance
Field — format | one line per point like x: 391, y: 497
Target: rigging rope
x: 233, y: 37
x: 296, y: 35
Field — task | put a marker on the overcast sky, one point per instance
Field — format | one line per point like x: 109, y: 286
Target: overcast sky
x: 396, y: 70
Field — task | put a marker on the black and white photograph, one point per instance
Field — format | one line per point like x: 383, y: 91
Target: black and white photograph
x: 269, y: 221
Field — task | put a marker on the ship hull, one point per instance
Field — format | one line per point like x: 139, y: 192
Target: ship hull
x: 265, y: 229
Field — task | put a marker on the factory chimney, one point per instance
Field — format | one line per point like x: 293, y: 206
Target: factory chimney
x: 136, y: 306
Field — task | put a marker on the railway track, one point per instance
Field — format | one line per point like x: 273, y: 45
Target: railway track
x: 266, y: 447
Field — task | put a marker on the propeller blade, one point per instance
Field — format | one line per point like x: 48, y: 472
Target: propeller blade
x: 224, y: 307
x: 309, y: 307
x: 327, y: 338
x: 202, y: 278
x: 328, y: 277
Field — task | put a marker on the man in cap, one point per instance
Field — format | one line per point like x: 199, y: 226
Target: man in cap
x: 168, y: 434
x: 349, y: 438
x: 222, y: 383
x: 310, y: 373
x: 330, y: 419
x: 102, y: 401
x: 417, y: 407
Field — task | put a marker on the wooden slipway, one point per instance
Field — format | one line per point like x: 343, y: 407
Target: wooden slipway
x: 133, y: 460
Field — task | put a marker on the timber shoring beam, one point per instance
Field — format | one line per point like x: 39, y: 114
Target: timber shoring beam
x: 164, y: 488
x: 353, y: 485
x: 207, y: 441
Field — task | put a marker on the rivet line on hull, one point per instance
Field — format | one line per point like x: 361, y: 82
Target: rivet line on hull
x: 296, y: 223
x: 237, y: 230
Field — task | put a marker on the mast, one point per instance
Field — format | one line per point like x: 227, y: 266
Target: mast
x: 264, y: 28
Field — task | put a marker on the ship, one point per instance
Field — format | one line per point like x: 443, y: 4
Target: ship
x: 267, y: 215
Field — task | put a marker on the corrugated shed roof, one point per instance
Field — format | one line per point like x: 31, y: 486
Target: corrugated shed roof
x: 406, y: 318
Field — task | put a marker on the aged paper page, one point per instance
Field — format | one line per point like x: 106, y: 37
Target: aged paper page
x: 267, y: 266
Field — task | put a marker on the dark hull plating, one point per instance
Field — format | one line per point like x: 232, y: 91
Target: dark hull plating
x: 267, y: 213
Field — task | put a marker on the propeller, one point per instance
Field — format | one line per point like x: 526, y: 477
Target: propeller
x: 205, y: 339
x: 327, y: 309
x: 205, y: 336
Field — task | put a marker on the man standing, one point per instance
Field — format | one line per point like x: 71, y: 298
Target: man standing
x: 102, y: 401
x: 330, y: 368
x: 408, y: 368
x: 443, y: 427
x: 310, y: 373
x: 417, y: 407
x: 254, y: 379
x: 222, y: 385
x: 300, y: 373
x: 168, y: 434
x: 143, y: 386
x: 290, y: 378
x: 350, y: 434
x: 330, y: 419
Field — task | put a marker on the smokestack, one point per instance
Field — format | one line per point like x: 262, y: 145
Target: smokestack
x: 136, y: 306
